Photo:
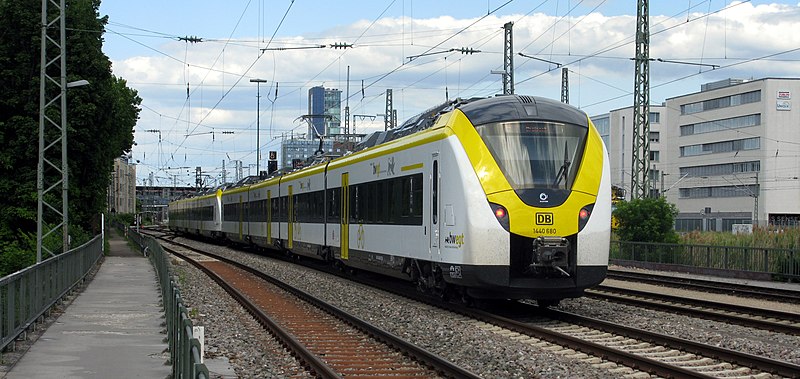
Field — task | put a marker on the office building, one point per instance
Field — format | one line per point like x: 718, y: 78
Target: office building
x: 324, y: 112
x: 295, y: 152
x: 728, y: 154
x: 122, y: 189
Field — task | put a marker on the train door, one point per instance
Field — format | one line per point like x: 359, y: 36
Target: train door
x: 435, y: 200
x: 344, y: 213
x: 290, y: 220
x: 269, y: 217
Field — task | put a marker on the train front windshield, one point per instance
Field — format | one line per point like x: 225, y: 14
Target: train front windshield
x: 536, y: 154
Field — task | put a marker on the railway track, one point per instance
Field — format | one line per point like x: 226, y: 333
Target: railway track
x: 764, y: 293
x: 650, y: 352
x: 330, y: 342
x: 638, y: 351
x: 777, y: 321
x: 701, y: 359
x: 621, y: 350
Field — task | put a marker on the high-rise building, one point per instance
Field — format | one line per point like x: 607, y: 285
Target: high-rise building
x: 725, y: 155
x: 324, y: 112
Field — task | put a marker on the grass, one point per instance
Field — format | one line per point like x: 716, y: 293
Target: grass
x: 762, y: 237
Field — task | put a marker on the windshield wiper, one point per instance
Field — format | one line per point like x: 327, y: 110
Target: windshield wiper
x: 564, y: 170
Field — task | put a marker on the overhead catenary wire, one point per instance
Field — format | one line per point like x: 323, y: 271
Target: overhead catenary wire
x: 375, y: 97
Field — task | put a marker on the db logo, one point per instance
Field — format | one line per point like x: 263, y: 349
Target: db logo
x: 544, y: 219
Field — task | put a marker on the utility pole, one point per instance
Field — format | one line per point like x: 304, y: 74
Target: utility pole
x: 198, y: 177
x: 387, y: 117
x: 224, y: 173
x: 755, y: 202
x: 258, y: 122
x: 508, y: 59
x: 640, y: 165
x: 347, y: 105
x: 565, y: 85
x: 52, y: 95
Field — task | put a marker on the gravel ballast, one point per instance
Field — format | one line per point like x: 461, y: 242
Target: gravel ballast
x: 253, y: 352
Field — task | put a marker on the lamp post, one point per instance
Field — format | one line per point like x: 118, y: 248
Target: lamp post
x: 65, y: 186
x: 258, y: 122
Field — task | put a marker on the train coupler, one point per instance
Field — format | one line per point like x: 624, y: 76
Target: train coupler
x: 550, y: 254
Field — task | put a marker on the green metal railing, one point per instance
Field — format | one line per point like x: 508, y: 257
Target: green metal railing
x: 28, y: 294
x: 778, y: 264
x: 183, y: 347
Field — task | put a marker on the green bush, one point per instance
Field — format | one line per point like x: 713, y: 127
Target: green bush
x: 646, y: 220
x: 15, y: 257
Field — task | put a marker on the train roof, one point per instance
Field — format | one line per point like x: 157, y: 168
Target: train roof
x: 481, y: 111
x: 521, y: 108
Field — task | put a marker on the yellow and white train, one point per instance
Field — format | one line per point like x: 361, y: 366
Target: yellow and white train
x: 505, y: 197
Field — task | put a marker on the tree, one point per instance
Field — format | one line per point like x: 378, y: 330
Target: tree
x: 646, y: 220
x: 100, y: 121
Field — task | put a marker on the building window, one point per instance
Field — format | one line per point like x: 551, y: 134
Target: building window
x: 721, y: 102
x: 654, y: 155
x: 724, y: 124
x: 721, y: 147
x: 655, y: 118
x: 688, y: 224
x: 655, y: 136
x: 602, y: 125
x: 722, y: 191
x: 722, y: 169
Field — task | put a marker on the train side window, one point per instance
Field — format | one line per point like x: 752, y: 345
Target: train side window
x: 416, y: 199
x: 275, y: 210
x: 333, y: 205
x: 262, y: 210
x: 373, y: 205
x: 318, y: 206
x: 392, y: 192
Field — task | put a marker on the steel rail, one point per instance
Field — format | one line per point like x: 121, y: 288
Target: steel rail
x: 663, y: 302
x: 708, y: 285
x: 317, y: 366
x: 753, y: 361
x: 651, y: 366
x: 644, y: 364
x: 443, y: 366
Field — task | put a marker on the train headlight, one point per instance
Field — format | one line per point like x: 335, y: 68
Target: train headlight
x: 583, y: 216
x: 501, y: 214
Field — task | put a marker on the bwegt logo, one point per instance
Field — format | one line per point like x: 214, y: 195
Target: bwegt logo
x: 456, y: 240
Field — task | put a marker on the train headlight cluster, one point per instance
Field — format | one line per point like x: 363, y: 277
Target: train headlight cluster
x: 583, y: 216
x: 502, y: 215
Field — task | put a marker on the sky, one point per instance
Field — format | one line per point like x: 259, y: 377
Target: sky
x: 191, y: 62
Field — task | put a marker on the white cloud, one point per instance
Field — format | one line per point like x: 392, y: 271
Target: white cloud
x: 744, y: 31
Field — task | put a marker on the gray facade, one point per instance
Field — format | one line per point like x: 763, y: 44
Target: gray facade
x: 122, y: 190
x: 726, y: 155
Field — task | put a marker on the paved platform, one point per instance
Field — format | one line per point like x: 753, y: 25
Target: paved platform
x: 111, y: 330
